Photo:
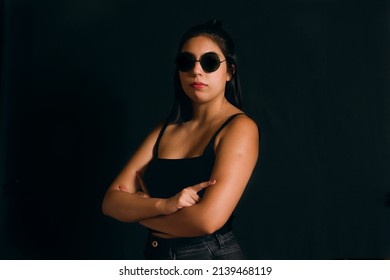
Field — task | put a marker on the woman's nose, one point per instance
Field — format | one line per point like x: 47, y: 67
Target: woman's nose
x: 198, y: 70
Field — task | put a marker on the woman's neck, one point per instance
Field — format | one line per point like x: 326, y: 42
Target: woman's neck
x: 205, y: 113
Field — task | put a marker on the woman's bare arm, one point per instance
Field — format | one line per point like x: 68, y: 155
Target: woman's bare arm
x: 127, y: 199
x: 236, y: 156
x: 128, y: 206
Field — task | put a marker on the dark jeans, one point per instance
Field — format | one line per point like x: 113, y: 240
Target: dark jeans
x: 217, y: 246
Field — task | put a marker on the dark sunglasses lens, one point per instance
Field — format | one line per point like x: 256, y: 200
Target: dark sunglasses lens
x: 185, y: 62
x: 210, y: 62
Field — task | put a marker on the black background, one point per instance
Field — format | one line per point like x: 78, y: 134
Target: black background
x: 84, y: 81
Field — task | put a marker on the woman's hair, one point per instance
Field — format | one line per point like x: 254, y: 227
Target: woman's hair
x: 182, y: 107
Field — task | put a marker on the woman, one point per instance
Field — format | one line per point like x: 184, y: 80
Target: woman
x: 185, y: 180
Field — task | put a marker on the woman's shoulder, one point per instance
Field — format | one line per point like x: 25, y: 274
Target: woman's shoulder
x: 241, y: 126
x: 155, y: 131
x: 242, y: 121
x: 240, y: 136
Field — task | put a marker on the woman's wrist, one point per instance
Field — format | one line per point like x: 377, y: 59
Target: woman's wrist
x: 166, y: 207
x: 161, y: 206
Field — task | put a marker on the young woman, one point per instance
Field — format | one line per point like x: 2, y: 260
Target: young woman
x: 185, y: 180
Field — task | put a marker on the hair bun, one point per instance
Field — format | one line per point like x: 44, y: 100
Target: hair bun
x: 215, y: 23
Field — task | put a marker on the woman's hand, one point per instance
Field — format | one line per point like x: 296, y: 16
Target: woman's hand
x: 139, y: 193
x: 185, y: 198
x: 144, y: 193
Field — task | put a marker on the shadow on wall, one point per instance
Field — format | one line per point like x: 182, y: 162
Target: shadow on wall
x: 57, y: 176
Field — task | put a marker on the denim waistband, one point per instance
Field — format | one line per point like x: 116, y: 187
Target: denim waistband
x: 182, y: 241
x: 165, y: 247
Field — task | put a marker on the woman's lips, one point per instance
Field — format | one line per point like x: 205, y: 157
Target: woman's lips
x: 198, y: 85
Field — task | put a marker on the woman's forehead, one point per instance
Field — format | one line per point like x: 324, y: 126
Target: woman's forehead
x: 201, y: 44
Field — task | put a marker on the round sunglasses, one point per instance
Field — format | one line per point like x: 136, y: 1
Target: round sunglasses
x: 210, y: 62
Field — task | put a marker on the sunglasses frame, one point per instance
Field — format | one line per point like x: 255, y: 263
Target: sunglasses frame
x: 202, y: 62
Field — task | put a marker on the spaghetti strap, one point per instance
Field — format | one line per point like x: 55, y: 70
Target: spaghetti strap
x: 156, y: 145
x: 212, y: 140
x: 226, y: 123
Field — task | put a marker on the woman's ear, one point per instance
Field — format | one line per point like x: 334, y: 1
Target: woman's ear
x: 230, y: 72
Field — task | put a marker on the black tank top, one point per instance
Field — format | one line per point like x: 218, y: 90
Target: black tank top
x: 166, y: 177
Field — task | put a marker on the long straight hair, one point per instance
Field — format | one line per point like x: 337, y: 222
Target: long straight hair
x: 182, y: 107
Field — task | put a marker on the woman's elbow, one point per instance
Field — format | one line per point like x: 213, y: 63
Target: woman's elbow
x: 211, y: 226
x: 104, y: 209
x: 108, y: 207
x: 117, y: 214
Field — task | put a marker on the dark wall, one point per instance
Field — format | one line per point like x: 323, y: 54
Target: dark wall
x: 83, y: 82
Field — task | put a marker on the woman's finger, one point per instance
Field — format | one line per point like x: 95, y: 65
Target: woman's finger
x: 203, y: 185
x: 186, y: 202
x: 187, y: 197
x: 122, y: 188
x: 142, y: 194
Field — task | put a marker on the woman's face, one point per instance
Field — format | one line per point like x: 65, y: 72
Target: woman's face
x: 199, y: 85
